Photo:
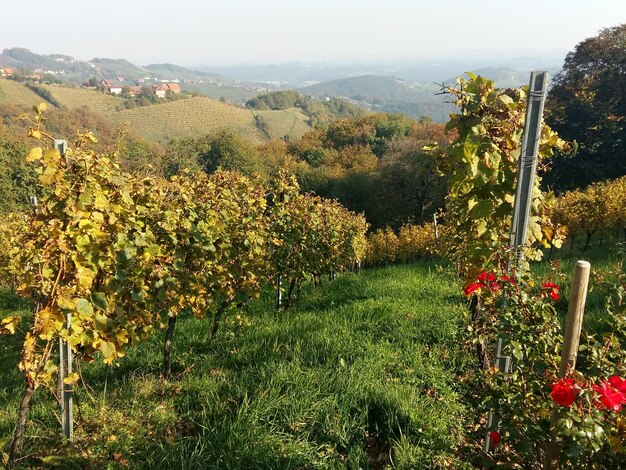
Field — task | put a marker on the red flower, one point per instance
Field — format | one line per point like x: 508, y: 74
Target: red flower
x: 484, y: 279
x: 564, y: 392
x: 553, y: 290
x: 618, y: 383
x: 611, y: 398
x: 506, y: 278
x: 494, y: 286
x: 486, y: 276
x: 495, y: 437
x: 472, y: 288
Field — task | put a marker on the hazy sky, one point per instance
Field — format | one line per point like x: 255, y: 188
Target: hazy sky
x: 197, y: 32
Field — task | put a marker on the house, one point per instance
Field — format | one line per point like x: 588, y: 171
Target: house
x: 6, y: 71
x: 174, y: 87
x: 113, y: 89
x: 159, y: 90
x: 134, y: 90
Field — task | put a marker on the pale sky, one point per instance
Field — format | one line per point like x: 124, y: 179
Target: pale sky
x: 205, y: 32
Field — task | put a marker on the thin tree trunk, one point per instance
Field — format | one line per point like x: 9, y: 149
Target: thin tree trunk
x: 587, y: 242
x: 292, y: 285
x: 298, y: 288
x: 16, y: 444
x: 218, y: 317
x: 571, y: 245
x: 169, y: 333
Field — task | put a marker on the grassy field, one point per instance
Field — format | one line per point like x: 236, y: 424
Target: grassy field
x: 365, y: 372
x: 191, y: 117
x: 361, y: 374
x: 16, y: 93
x: 75, y: 97
x: 199, y: 115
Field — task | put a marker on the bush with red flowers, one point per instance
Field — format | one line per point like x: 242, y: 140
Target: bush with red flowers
x: 588, y: 405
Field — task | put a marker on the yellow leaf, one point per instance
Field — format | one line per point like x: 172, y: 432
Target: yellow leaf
x: 34, y: 133
x: 35, y: 154
x: 8, y: 324
x: 71, y: 378
x: 108, y: 350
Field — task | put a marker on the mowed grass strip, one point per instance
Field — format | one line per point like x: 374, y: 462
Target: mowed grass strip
x: 360, y: 374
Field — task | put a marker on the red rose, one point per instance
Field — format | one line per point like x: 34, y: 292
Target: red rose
x: 495, y: 437
x: 618, y: 383
x: 564, y: 392
x: 611, y: 398
x: 552, y: 290
x: 506, y: 278
x: 486, y: 276
x: 472, y: 288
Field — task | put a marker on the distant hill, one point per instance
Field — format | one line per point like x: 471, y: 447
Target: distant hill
x: 422, y: 70
x: 192, y: 116
x: 77, y: 71
x: 73, y: 71
x: 387, y: 94
x: 506, y: 77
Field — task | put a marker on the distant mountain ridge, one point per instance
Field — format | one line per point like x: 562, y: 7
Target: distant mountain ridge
x: 425, y: 71
x: 387, y: 94
x: 77, y: 71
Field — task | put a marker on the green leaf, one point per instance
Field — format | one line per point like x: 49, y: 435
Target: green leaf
x: 100, y: 300
x: 84, y: 308
x: 100, y: 321
x: 482, y: 209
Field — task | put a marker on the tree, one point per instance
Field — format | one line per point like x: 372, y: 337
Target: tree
x: 587, y: 104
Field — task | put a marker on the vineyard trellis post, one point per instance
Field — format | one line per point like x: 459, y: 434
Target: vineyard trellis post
x: 571, y: 340
x: 65, y: 357
x: 279, y: 291
x: 527, y: 169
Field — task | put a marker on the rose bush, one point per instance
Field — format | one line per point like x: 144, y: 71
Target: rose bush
x: 583, y: 412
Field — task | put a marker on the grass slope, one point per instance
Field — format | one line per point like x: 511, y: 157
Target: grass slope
x: 75, y: 97
x: 362, y: 373
x: 193, y: 117
x: 16, y: 93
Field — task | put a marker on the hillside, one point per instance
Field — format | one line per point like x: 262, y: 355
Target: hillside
x: 18, y: 94
x: 76, y: 71
x: 386, y: 94
x: 193, y: 116
x: 199, y: 115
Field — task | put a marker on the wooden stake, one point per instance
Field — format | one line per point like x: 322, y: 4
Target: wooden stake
x: 573, y: 326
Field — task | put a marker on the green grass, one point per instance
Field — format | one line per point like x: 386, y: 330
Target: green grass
x: 361, y: 373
